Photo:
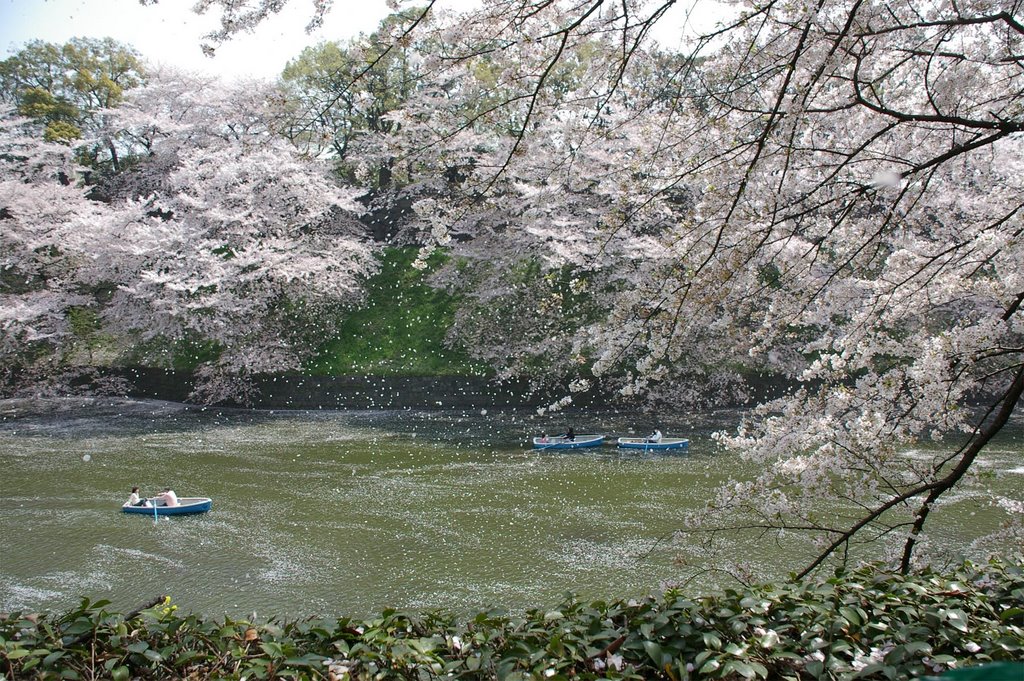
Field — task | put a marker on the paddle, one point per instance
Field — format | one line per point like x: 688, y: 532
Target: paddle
x: 156, y: 519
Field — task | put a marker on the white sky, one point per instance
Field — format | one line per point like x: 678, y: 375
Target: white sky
x: 170, y: 33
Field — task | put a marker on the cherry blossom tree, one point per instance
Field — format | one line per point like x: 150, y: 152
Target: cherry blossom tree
x: 867, y: 220
x: 854, y: 226
x: 38, y: 204
x: 250, y: 235
x: 220, y: 231
x: 571, y: 195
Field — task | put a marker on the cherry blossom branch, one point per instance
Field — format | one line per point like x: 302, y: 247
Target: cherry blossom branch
x: 935, y: 489
x: 977, y: 443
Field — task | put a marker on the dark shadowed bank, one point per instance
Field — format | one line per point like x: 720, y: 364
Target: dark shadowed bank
x: 297, y: 391
x: 303, y: 391
x: 961, y: 625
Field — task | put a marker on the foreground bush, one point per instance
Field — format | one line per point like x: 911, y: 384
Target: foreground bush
x: 867, y: 624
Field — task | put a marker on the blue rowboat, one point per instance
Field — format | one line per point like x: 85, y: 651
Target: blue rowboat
x: 186, y: 505
x: 664, y: 443
x: 580, y: 442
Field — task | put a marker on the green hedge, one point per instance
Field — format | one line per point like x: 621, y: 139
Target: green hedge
x: 865, y: 624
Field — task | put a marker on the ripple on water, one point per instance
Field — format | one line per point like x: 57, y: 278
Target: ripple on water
x: 147, y: 558
x: 588, y: 555
x: 17, y: 596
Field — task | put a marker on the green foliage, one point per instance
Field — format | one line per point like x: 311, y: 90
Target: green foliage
x: 58, y: 114
x: 183, y: 354
x: 66, y: 87
x: 337, y: 92
x: 869, y: 624
x: 84, y: 322
x: 87, y: 329
x: 401, y: 328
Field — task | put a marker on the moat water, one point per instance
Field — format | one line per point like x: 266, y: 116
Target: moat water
x: 350, y: 512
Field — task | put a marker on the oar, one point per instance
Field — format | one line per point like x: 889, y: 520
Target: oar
x: 156, y: 519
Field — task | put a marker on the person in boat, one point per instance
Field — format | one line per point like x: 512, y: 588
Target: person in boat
x: 655, y: 436
x: 135, y: 500
x: 543, y: 437
x: 570, y: 435
x: 166, y: 498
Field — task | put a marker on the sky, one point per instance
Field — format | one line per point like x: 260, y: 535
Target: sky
x: 170, y: 33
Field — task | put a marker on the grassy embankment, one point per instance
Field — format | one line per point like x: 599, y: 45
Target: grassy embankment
x: 399, y: 329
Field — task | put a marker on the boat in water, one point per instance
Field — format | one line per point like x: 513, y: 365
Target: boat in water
x: 578, y: 442
x: 186, y: 506
x: 645, y: 444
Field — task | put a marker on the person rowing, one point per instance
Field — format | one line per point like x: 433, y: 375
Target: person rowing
x: 166, y: 498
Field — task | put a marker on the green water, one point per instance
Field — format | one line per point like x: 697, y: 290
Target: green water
x: 351, y: 512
